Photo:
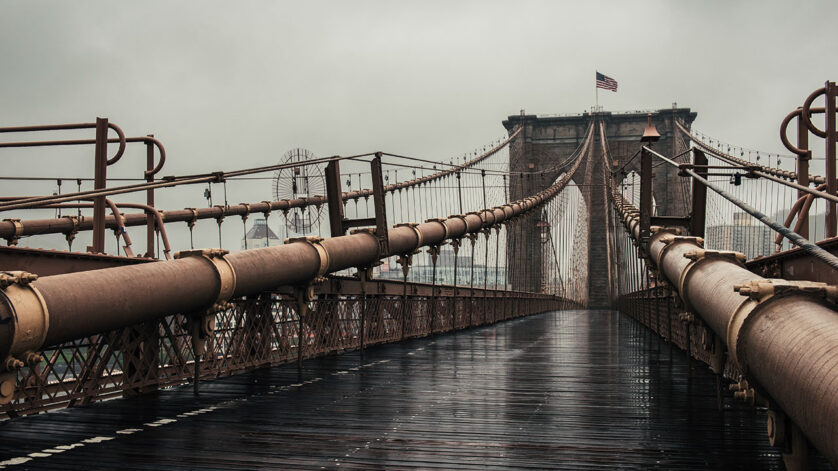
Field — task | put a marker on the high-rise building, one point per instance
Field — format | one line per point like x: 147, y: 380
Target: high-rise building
x: 746, y: 235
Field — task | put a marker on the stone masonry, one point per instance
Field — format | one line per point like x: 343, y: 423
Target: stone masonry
x: 548, y: 141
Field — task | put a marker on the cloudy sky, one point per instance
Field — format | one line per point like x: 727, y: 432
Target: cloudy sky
x: 235, y: 84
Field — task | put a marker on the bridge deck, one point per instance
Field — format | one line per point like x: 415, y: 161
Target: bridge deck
x: 576, y: 389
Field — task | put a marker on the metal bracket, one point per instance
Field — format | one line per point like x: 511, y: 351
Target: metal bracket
x: 759, y: 292
x: 743, y: 392
x: 670, y: 239
x: 405, y: 261
x: 441, y: 221
x: 762, y: 290
x: 12, y: 240
x: 686, y: 317
x: 223, y: 269
x: 267, y: 212
x: 733, y: 256
x: 314, y: 241
x: 71, y: 234
x: 26, y: 328
x: 433, y: 250
x: 220, y: 219
x: 8, y: 278
x: 413, y: 225
x: 191, y: 223
x: 201, y: 326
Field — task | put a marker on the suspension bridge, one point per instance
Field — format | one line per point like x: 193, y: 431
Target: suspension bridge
x: 588, y: 290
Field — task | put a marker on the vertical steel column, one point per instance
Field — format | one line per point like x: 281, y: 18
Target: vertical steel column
x: 497, y: 268
x: 699, y: 196
x: 404, y: 260
x: 100, y: 170
x: 645, y: 194
x: 485, y: 218
x: 362, y: 277
x: 473, y: 239
x: 831, y: 138
x: 149, y: 198
x: 803, y: 168
x: 434, y: 251
x: 455, y: 244
x: 488, y: 232
x: 379, y: 203
x: 460, y: 192
x: 334, y: 197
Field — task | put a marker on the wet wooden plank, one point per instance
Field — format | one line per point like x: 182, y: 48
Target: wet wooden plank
x: 573, y: 390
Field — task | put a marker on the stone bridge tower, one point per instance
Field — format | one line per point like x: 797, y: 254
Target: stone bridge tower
x: 550, y: 140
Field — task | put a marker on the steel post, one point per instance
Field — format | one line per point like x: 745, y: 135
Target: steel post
x: 150, y: 233
x: 699, y: 196
x: 100, y: 169
x: 645, y: 195
x: 830, y: 155
x: 803, y: 169
x: 334, y: 198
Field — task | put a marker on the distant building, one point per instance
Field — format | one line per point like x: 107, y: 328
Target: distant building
x: 746, y: 235
x: 260, y: 235
x: 423, y: 271
x: 445, y: 275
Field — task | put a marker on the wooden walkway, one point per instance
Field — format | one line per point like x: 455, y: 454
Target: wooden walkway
x: 567, y: 390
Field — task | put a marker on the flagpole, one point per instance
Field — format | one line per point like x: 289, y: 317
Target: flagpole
x: 597, y: 97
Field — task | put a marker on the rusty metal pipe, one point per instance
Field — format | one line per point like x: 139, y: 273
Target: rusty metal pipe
x: 113, y: 140
x: 111, y: 221
x: 802, y: 213
x: 795, y: 238
x: 795, y: 209
x: 356, y: 250
x: 236, y: 209
x: 815, y: 179
x: 120, y: 230
x: 50, y: 226
x: 805, y: 189
x: 86, y: 303
x: 168, y: 182
x: 62, y: 127
x: 801, y: 374
x: 784, y: 129
x: 158, y: 216
x: 783, y: 342
x: 55, y: 309
x: 786, y: 344
x: 263, y: 269
x: 80, y: 304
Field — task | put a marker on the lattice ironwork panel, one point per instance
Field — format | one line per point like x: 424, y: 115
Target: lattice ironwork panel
x: 253, y: 332
x: 657, y: 308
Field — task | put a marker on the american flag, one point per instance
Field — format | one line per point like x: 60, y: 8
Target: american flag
x: 606, y: 82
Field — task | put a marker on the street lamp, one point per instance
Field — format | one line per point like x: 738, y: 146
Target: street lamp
x: 650, y: 134
x: 543, y: 230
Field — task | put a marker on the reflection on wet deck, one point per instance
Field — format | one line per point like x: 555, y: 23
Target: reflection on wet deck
x: 570, y: 390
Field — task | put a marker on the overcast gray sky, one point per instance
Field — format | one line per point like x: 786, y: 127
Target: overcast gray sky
x: 235, y: 84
